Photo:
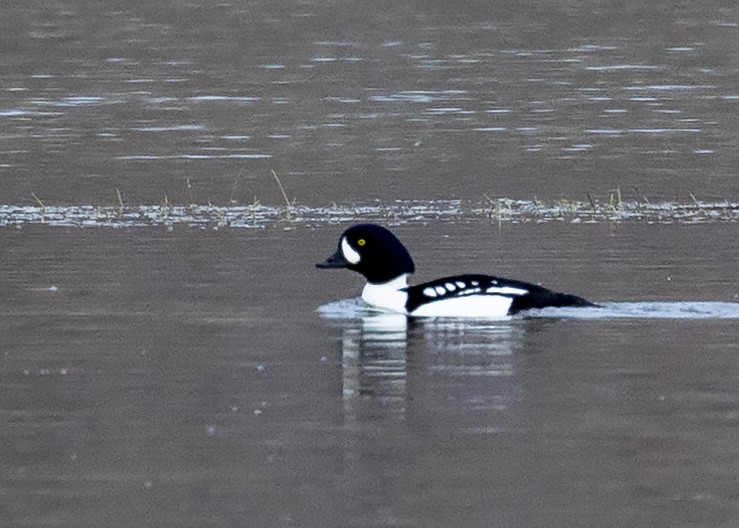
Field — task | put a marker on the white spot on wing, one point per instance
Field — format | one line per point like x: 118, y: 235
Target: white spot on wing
x: 429, y: 292
x: 461, y: 285
x: 440, y: 290
x: 450, y: 286
x: 350, y: 254
x: 506, y: 290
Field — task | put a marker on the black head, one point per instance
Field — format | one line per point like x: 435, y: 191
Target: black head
x: 372, y: 251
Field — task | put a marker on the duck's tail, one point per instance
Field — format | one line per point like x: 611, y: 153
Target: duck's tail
x: 549, y: 299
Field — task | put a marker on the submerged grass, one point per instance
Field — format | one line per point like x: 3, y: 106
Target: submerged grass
x: 610, y: 207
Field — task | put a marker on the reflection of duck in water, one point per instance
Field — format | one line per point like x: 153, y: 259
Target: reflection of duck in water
x: 377, y: 254
x: 388, y: 360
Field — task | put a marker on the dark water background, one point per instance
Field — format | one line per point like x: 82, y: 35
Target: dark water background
x: 175, y: 376
x: 183, y: 378
x: 355, y: 101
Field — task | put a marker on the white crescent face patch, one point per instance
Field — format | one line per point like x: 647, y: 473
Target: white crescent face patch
x: 350, y: 254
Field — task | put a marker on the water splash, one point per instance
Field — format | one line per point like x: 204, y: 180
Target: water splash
x: 356, y: 308
x: 646, y: 310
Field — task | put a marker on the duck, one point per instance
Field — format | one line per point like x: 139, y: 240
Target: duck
x: 386, y: 264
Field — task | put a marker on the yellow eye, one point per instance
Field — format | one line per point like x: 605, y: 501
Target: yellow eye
x: 361, y: 242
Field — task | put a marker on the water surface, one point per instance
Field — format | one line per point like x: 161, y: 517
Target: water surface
x: 354, y: 102
x: 162, y: 359
x: 182, y: 377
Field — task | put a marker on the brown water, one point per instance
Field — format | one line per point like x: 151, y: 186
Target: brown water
x: 176, y: 372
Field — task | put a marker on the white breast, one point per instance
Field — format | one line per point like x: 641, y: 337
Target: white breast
x: 388, y: 295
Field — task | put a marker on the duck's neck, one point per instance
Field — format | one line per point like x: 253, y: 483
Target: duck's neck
x: 387, y: 295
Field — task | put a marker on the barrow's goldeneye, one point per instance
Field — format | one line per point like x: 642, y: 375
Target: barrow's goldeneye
x: 376, y: 253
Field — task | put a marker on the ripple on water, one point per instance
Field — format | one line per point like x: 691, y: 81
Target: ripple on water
x: 356, y: 308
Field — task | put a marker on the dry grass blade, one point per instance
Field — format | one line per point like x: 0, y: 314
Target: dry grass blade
x: 592, y: 203
x: 232, y: 199
x: 38, y: 200
x: 120, y: 201
x: 189, y: 191
x: 288, y: 203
